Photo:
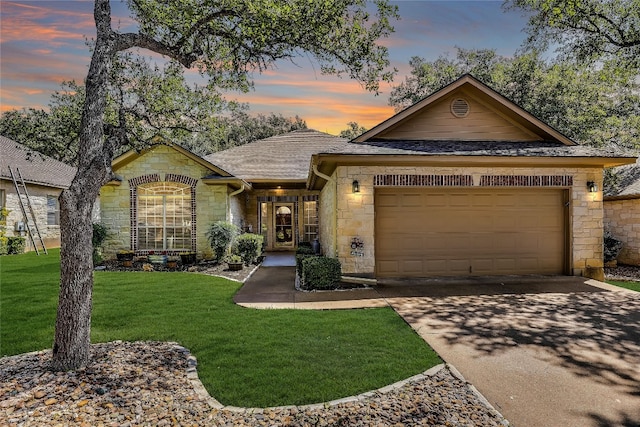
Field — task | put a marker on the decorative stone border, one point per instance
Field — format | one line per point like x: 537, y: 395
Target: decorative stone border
x: 192, y: 375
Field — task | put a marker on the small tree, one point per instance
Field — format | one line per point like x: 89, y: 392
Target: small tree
x: 221, y: 236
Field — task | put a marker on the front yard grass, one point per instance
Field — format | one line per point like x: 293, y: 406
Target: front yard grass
x: 246, y: 357
x: 634, y: 286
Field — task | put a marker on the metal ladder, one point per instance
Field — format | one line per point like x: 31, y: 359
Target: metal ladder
x: 27, y: 212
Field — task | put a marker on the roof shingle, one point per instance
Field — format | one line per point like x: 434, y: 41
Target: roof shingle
x: 35, y: 168
x: 282, y: 157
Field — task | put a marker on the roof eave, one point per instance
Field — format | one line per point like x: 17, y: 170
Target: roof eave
x: 327, y: 163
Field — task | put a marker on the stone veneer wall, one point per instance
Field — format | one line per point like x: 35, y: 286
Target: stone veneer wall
x: 328, y: 214
x: 211, y: 200
x: 355, y: 216
x: 622, y: 219
x: 38, y: 197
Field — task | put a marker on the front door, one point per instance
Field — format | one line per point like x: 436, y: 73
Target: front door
x: 283, y: 225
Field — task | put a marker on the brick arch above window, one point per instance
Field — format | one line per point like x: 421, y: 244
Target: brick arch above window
x: 182, y: 179
x: 144, y: 179
x: 134, y: 183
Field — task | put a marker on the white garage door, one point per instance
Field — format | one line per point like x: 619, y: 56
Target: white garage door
x: 461, y: 232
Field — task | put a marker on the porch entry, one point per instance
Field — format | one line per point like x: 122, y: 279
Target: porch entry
x: 285, y: 221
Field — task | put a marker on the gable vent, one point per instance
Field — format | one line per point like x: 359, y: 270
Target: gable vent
x: 460, y: 107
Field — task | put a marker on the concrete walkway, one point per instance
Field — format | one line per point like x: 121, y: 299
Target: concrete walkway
x: 544, y: 351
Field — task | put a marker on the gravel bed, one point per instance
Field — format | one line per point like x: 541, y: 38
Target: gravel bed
x: 623, y: 272
x: 147, y: 384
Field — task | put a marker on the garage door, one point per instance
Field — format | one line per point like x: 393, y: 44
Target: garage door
x: 461, y: 232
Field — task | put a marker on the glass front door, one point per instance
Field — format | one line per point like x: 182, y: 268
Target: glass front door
x: 283, y: 227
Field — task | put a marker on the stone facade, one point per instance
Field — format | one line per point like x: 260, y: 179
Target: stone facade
x: 622, y: 219
x: 354, y: 213
x: 38, y: 196
x: 211, y: 201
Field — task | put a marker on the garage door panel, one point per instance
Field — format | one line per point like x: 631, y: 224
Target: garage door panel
x: 412, y: 267
x: 438, y: 232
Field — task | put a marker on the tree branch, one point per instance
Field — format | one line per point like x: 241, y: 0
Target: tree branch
x: 130, y: 40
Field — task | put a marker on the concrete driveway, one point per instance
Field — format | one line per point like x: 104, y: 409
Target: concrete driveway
x: 543, y: 353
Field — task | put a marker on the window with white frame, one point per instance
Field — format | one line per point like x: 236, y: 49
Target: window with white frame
x: 164, y: 216
x: 53, y: 210
x: 310, y: 220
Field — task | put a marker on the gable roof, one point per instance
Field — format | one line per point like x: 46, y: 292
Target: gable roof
x: 281, y: 158
x: 132, y: 155
x: 35, y: 168
x: 468, y: 86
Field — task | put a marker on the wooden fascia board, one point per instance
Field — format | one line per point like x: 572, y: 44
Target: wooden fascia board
x: 622, y: 197
x: 327, y: 164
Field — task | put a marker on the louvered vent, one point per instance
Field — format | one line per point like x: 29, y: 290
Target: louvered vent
x: 460, y: 107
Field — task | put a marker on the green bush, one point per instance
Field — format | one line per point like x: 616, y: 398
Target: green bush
x: 249, y: 247
x: 221, y: 235
x: 304, y: 249
x: 320, y: 273
x: 299, y: 259
x: 15, y: 245
x: 4, y: 246
x: 100, y: 233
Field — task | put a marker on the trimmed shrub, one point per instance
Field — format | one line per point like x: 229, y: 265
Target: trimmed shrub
x: 221, y: 235
x: 299, y: 259
x: 249, y: 247
x: 320, y: 273
x: 305, y: 249
x: 15, y: 245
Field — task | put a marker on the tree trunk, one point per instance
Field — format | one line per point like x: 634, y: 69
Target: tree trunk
x: 73, y: 322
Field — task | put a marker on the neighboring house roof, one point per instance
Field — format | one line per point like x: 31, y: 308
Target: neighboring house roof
x: 35, y: 168
x: 279, y: 158
x: 625, y: 185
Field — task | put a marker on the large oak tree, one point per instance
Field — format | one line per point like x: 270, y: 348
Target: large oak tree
x: 586, y: 30
x: 226, y: 40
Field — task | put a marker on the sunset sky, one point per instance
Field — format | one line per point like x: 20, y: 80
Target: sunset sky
x: 42, y: 44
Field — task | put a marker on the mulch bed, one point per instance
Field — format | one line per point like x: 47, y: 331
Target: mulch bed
x: 204, y: 267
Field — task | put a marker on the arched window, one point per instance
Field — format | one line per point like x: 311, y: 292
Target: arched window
x: 164, y: 216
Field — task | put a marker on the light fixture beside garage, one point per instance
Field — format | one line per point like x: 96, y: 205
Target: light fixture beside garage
x: 592, y: 186
x: 355, y: 186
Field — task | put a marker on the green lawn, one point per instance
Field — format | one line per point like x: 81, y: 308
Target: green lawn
x: 245, y: 357
x: 634, y: 286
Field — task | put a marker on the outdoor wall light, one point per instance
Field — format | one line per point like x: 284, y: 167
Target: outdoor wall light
x: 592, y: 186
x: 355, y: 186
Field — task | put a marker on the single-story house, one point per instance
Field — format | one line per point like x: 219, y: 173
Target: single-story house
x: 622, y: 213
x: 44, y: 178
x: 462, y: 183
